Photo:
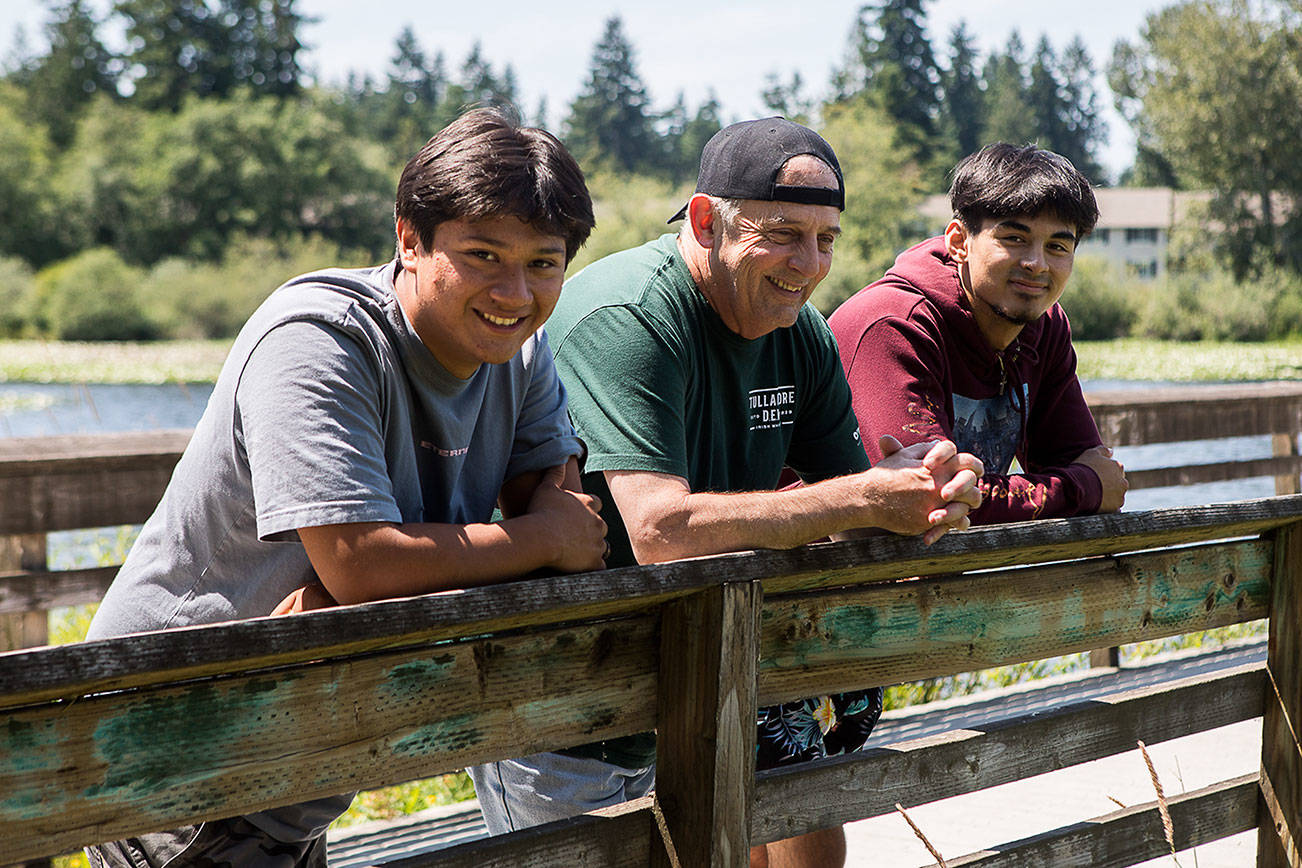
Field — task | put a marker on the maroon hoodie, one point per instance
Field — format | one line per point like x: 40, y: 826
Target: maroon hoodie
x: 920, y: 369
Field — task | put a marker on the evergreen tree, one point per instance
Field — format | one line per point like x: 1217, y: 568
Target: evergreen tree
x: 1084, y: 126
x: 1008, y: 115
x: 178, y: 48
x: 787, y: 98
x: 1044, y: 98
x: 964, y: 105
x: 892, y: 63
x: 413, y: 100
x: 72, y: 72
x: 610, y: 122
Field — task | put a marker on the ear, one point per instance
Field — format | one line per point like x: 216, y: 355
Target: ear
x: 956, y: 240
x: 408, y: 244
x: 703, y: 220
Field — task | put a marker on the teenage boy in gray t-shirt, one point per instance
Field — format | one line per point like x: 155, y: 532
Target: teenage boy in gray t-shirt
x: 363, y: 429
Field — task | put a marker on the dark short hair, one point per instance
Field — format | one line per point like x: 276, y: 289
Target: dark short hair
x: 485, y: 164
x: 1002, y: 180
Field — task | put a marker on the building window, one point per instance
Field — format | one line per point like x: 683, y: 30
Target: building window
x: 1141, y: 236
x: 1102, y: 236
x: 1146, y: 270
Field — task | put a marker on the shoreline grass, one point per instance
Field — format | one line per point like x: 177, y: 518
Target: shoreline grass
x: 33, y: 361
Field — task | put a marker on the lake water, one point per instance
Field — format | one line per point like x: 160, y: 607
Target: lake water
x: 37, y: 410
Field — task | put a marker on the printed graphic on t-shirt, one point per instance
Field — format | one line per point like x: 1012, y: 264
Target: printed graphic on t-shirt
x: 989, y: 428
x: 772, y: 408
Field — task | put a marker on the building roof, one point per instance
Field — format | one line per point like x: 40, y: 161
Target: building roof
x: 1119, y: 207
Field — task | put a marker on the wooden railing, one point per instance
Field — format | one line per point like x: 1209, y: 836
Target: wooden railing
x: 102, y: 739
x: 108, y: 738
x: 1183, y: 413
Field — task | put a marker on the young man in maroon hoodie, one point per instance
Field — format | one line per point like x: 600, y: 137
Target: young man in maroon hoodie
x: 964, y: 339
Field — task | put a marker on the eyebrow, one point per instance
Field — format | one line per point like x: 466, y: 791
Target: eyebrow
x: 780, y: 218
x: 1022, y: 227
x: 498, y: 243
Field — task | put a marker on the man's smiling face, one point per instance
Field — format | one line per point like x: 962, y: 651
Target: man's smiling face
x: 768, y: 257
x: 1012, y: 270
x: 481, y: 290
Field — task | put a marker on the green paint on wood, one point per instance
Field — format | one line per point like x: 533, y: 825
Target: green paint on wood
x: 145, y: 747
x: 415, y: 678
x: 1197, y: 588
x: 441, y: 737
x: 27, y: 747
x: 32, y: 803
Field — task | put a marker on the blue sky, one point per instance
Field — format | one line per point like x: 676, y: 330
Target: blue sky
x: 724, y: 45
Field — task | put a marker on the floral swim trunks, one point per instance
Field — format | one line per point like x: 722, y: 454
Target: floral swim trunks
x: 808, y: 729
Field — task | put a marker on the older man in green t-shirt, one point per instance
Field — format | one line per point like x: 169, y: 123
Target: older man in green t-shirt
x: 696, y: 373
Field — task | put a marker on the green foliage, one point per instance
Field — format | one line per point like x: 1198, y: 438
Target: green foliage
x: 30, y: 222
x: 610, y: 121
x: 882, y: 196
x: 1211, y: 305
x: 1099, y: 301
x: 92, y: 296
x: 189, y: 299
x: 964, y: 104
x: 409, y: 798
x: 157, y: 185
x: 73, y: 70
x: 630, y: 210
x: 16, y: 282
x: 191, y: 48
x: 1225, y: 119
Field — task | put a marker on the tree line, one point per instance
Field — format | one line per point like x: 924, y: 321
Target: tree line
x: 204, y: 134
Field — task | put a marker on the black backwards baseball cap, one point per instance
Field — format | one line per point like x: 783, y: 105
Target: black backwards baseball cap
x: 742, y: 161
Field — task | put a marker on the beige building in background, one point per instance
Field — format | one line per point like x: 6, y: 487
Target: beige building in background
x: 1134, y: 225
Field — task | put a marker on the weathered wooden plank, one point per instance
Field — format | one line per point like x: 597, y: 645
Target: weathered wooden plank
x: 888, y: 633
x: 23, y: 456
x: 705, y: 769
x: 64, y: 483
x: 1133, y: 834
x: 1288, y: 481
x: 622, y: 840
x: 1284, y: 467
x: 110, y: 765
x: 796, y: 800
x: 29, y: 626
x: 73, y: 670
x: 1128, y: 418
x: 1279, y: 841
x: 40, y: 590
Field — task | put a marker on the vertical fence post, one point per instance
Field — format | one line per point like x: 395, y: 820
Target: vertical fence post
x: 1279, y: 815
x: 1282, y: 445
x: 705, y: 765
x: 23, y: 629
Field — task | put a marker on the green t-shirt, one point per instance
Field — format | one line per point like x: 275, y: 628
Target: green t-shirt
x: 657, y: 382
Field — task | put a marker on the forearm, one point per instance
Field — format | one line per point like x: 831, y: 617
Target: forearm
x: 374, y: 561
x: 704, y: 523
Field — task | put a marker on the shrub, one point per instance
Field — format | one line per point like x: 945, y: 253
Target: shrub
x: 1208, y: 305
x: 92, y: 296
x: 1100, y: 303
x: 189, y: 299
x: 17, y: 284
x: 630, y: 210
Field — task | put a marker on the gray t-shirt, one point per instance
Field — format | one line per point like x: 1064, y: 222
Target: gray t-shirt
x: 328, y: 410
